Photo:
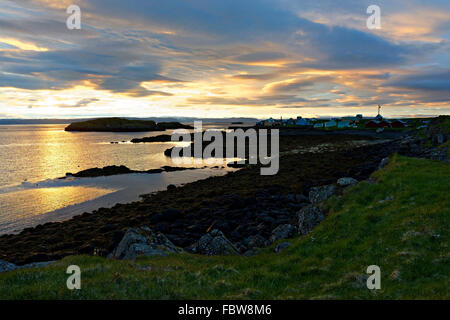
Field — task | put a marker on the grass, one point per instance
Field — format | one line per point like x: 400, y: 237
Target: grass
x: 399, y: 223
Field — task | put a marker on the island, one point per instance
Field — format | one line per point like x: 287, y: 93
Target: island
x: 123, y: 125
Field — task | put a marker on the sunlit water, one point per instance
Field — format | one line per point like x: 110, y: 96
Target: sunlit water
x: 32, y: 157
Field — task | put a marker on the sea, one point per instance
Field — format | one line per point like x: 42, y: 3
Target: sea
x: 33, y: 158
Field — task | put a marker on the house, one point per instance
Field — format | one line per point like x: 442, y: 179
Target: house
x: 384, y: 124
x: 398, y: 124
x: 331, y: 123
x: 379, y: 117
x: 378, y: 124
x: 290, y: 121
x: 302, y: 122
x: 318, y: 125
x: 270, y: 122
x: 372, y: 124
x: 343, y: 124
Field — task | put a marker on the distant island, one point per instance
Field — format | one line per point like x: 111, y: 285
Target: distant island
x: 123, y: 125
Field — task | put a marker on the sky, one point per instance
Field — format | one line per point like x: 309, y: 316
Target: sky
x: 224, y: 58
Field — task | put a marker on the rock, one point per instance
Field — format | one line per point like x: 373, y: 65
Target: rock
x: 308, y: 218
x: 344, y: 182
x: 280, y: 247
x: 143, y: 241
x: 283, y: 231
x: 255, y: 241
x: 6, y: 266
x: 383, y: 163
x: 301, y: 198
x: 439, y: 139
x: 322, y: 193
x: 215, y: 243
x: 171, y: 187
x: 36, y: 265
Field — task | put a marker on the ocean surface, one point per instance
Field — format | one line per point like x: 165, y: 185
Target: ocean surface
x: 33, y: 157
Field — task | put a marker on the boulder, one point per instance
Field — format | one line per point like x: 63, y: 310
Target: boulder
x: 301, y: 198
x: 215, y: 243
x: 6, y: 266
x: 283, y: 231
x: 255, y: 241
x: 143, y: 241
x: 280, y: 247
x: 344, y: 182
x: 308, y: 218
x: 383, y: 163
x: 322, y: 193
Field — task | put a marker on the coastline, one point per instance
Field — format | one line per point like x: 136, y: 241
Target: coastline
x: 124, y: 188
x: 228, y: 202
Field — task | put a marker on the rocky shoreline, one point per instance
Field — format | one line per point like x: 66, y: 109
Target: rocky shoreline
x: 236, y: 213
x: 114, y: 170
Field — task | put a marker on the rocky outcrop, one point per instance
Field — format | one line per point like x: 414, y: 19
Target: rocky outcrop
x: 214, y: 243
x: 143, y: 241
x: 7, y: 266
x: 115, y: 170
x: 308, y: 218
x: 284, y: 231
x: 347, y: 181
x: 321, y: 193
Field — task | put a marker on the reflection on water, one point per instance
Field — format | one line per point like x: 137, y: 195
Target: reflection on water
x: 39, y: 152
x: 32, y: 157
x: 27, y: 205
x: 40, y: 200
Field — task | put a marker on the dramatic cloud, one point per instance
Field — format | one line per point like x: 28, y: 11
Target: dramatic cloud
x: 182, y: 57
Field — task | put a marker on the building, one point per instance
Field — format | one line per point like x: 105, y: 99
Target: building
x: 372, y: 124
x: 343, y: 124
x: 398, y: 124
x: 318, y: 125
x: 290, y: 121
x: 302, y: 122
x: 378, y: 124
x: 330, y: 124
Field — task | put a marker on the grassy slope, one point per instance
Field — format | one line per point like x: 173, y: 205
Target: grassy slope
x: 407, y: 237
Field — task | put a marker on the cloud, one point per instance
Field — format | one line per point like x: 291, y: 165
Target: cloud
x: 438, y: 80
x: 297, y: 85
x: 80, y: 104
x: 270, y: 53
